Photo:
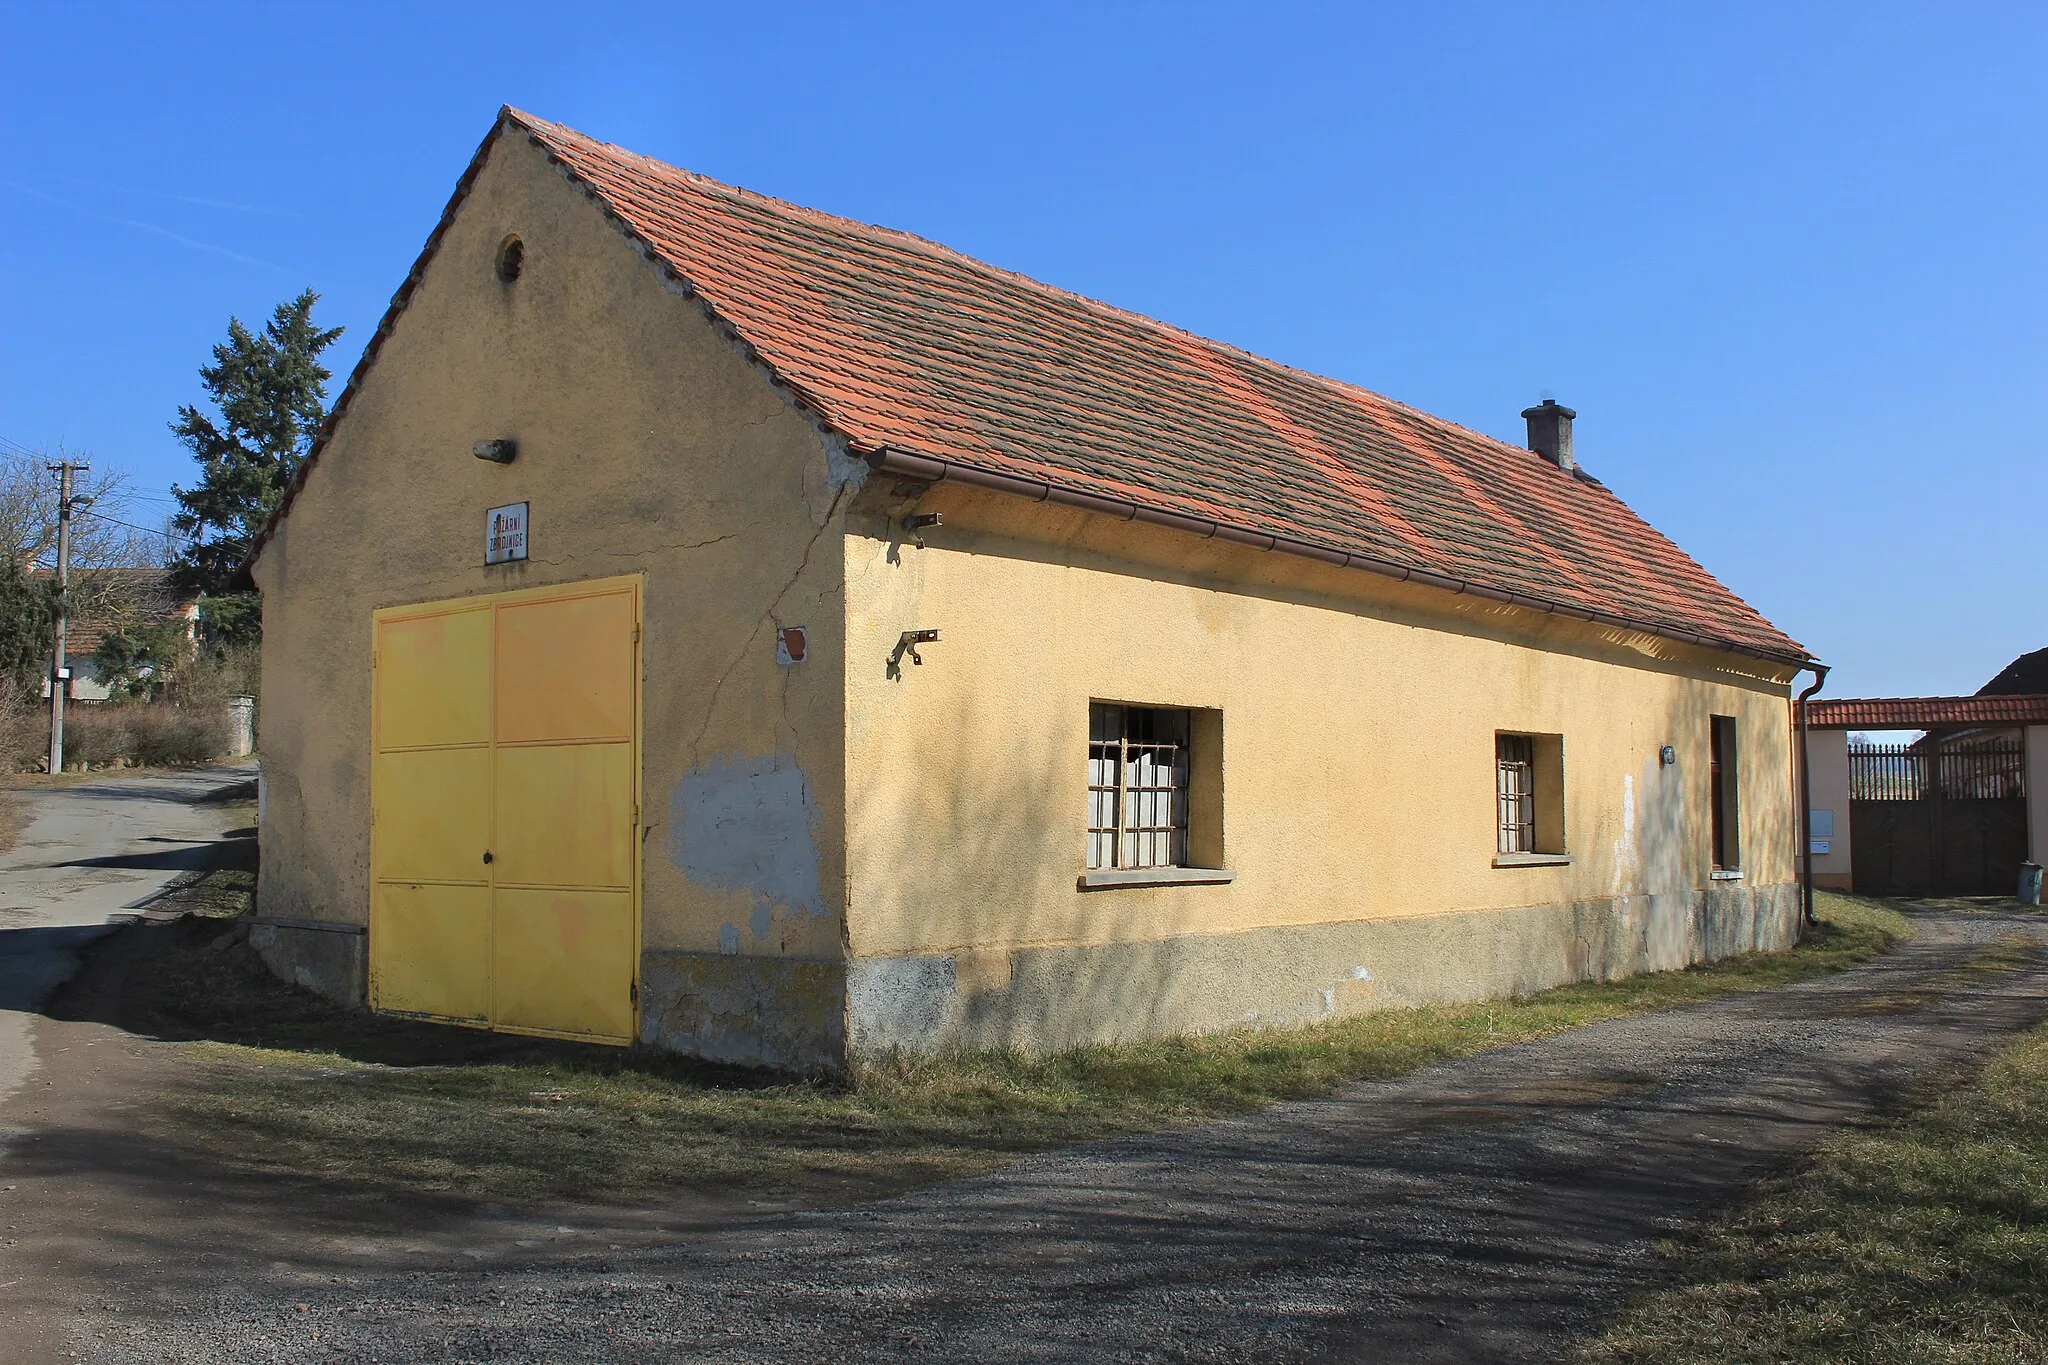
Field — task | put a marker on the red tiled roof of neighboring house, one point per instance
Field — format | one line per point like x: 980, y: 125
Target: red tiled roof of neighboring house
x: 2028, y: 673
x: 1920, y: 713
x: 108, y: 600
x: 907, y: 348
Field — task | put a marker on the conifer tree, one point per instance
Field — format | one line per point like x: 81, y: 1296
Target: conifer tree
x: 28, y: 621
x: 269, y: 392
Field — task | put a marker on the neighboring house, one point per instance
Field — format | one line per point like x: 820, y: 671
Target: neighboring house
x: 1951, y: 812
x: 2023, y: 677
x: 2026, y: 676
x: 117, y: 601
x: 712, y: 623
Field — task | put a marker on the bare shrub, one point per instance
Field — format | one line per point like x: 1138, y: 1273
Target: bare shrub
x: 24, y: 731
x: 98, y: 736
x: 145, y: 736
x: 212, y: 676
x: 180, y: 734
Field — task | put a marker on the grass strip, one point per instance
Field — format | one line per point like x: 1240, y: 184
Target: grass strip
x: 1924, y: 1243
x: 290, y: 1085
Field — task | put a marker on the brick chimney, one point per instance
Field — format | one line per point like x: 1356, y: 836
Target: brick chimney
x: 1550, y: 432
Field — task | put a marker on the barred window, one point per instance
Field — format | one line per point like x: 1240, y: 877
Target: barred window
x: 1515, y: 789
x: 1138, y: 766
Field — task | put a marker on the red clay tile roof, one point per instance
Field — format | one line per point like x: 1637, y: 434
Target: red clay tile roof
x: 2028, y: 674
x: 117, y: 599
x: 905, y: 347
x: 1920, y: 713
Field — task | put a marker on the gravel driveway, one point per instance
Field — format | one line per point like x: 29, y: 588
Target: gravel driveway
x: 1489, y: 1209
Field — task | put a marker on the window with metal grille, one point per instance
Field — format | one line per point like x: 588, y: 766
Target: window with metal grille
x: 1138, y: 766
x: 1515, y: 790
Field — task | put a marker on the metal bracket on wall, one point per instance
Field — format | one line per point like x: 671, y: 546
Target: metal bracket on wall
x: 907, y: 643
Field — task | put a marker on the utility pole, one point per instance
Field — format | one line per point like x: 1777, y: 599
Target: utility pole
x: 60, y: 676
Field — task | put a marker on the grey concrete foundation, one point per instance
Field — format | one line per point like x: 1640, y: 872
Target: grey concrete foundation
x: 1045, y: 999
x: 728, y: 1007
x: 813, y: 1015
x: 330, y: 960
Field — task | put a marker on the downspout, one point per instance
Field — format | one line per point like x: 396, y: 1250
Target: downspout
x: 1820, y: 677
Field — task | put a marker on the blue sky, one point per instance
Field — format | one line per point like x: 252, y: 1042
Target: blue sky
x: 1786, y: 261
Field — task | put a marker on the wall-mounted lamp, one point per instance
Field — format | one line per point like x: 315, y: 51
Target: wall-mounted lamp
x: 907, y: 643
x: 503, y: 450
x: 915, y: 523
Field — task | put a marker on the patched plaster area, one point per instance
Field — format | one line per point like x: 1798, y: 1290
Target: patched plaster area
x: 749, y: 825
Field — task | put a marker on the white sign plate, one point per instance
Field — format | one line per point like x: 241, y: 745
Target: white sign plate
x: 1820, y: 846
x: 505, y: 533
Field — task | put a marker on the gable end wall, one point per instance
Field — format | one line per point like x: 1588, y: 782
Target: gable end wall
x: 646, y: 445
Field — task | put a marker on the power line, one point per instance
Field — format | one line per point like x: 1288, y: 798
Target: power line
x: 102, y: 516
x: 217, y: 540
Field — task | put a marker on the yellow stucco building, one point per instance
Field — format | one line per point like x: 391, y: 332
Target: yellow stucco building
x: 714, y: 624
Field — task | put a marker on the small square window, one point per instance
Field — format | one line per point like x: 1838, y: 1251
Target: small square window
x: 1139, y: 771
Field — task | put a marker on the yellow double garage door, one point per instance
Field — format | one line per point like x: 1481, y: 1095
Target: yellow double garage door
x: 503, y: 793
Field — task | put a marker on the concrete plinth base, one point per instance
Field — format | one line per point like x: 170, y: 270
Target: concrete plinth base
x: 1044, y: 999
x: 811, y: 1015
x: 330, y: 960
x: 729, y: 1007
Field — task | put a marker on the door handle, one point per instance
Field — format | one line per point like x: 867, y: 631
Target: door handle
x: 487, y: 855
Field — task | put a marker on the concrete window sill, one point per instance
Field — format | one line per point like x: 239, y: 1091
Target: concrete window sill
x: 1532, y: 860
x: 1104, y: 878
x: 1727, y: 874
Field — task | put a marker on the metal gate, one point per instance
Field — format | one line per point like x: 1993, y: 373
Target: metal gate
x: 1937, y: 818
x: 503, y: 798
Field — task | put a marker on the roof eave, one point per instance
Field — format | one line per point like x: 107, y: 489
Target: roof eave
x: 909, y: 464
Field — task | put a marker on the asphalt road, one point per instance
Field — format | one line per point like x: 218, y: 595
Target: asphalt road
x: 1487, y: 1210
x: 92, y: 852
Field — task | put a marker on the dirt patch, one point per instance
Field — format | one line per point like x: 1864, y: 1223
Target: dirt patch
x: 1920, y: 1242
x: 278, y: 1084
x: 2008, y: 953
x: 1976, y: 905
x: 197, y: 1122
x: 1344, y: 1228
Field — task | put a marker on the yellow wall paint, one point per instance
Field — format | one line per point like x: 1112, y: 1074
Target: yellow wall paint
x: 1359, y: 720
x: 646, y: 445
